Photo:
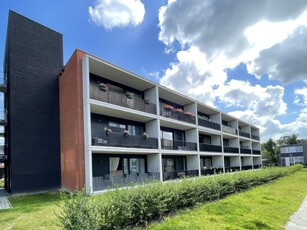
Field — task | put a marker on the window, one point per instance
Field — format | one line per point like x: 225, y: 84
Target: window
x: 117, y: 125
x: 134, y: 165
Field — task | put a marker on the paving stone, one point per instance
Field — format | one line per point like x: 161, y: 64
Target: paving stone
x: 4, y: 203
x: 298, y: 220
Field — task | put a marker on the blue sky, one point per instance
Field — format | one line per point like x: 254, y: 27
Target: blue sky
x: 243, y: 57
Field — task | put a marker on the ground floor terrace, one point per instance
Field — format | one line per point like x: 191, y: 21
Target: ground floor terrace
x: 111, y: 170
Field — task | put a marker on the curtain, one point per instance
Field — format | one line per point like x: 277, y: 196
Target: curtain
x: 114, y: 162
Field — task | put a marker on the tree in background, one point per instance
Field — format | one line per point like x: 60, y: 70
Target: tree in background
x: 270, y: 149
x: 270, y: 152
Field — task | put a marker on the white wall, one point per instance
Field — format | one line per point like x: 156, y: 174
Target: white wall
x: 246, y: 129
x: 191, y: 135
x: 193, y: 162
x: 216, y: 118
x: 191, y: 108
x: 152, y: 95
x: 235, y: 161
x: 247, y: 161
x: 234, y: 124
x: 234, y: 142
x: 217, y: 161
x: 215, y: 140
x: 256, y: 146
x: 153, y: 162
x: 246, y: 143
x: 257, y: 160
x: 152, y: 128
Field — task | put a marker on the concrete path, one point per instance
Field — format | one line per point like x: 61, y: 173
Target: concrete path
x: 298, y: 220
x: 4, y: 201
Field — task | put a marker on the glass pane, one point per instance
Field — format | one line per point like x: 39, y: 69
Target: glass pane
x: 142, y: 165
x: 167, y: 135
x: 134, y: 165
x: 126, y: 166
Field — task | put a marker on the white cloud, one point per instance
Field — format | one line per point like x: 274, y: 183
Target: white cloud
x: 117, y: 13
x: 301, y: 96
x: 267, y: 35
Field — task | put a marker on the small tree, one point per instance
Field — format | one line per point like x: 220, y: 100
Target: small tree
x: 270, y: 152
x: 289, y: 140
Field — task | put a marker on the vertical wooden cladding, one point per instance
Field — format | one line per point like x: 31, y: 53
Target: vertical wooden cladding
x: 71, y: 124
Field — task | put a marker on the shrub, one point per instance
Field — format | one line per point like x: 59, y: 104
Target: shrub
x: 136, y: 206
x: 78, y: 212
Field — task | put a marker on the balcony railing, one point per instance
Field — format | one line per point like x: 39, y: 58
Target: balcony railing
x: 209, y: 124
x: 247, y: 167
x: 211, y: 171
x: 229, y: 130
x: 245, y: 151
x: 178, y: 145
x: 232, y: 169
x: 120, y: 140
x: 122, y: 100
x: 179, y: 174
x: 108, y: 182
x: 255, y: 137
x: 257, y: 166
x: 256, y: 152
x: 210, y: 148
x: 231, y: 150
x: 177, y: 115
x: 244, y: 134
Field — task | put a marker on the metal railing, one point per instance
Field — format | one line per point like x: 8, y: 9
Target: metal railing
x: 244, y: 134
x: 180, y: 116
x: 246, y: 151
x: 256, y: 152
x: 255, y: 137
x: 231, y: 150
x: 247, y: 167
x: 209, y: 124
x: 179, y: 174
x: 212, y: 171
x: 120, y: 140
x: 178, y: 145
x: 210, y: 148
x: 121, y: 99
x: 232, y: 169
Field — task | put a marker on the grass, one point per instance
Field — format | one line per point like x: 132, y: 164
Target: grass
x: 31, y: 212
x: 265, y: 207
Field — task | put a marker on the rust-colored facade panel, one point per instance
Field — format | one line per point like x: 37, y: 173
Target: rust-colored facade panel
x: 71, y: 124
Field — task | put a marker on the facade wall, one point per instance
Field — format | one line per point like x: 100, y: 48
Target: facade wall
x: 33, y: 60
x: 71, y: 120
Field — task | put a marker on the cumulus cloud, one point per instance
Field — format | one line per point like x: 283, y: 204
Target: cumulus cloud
x: 301, y: 96
x: 117, y: 13
x: 269, y: 36
x: 285, y: 61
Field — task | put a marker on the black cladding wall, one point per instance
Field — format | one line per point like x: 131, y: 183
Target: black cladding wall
x: 34, y: 58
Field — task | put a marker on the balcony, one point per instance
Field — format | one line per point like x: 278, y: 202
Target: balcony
x: 232, y: 169
x: 179, y: 174
x: 256, y: 152
x: 229, y: 130
x: 210, y: 148
x: 110, y: 181
x: 3, y: 116
x: 247, y: 167
x: 120, y: 140
x: 255, y: 137
x: 257, y: 166
x: 178, y: 115
x: 245, y: 151
x: 121, y: 99
x: 231, y: 150
x: 178, y: 145
x: 244, y: 134
x: 211, y: 171
x: 209, y: 124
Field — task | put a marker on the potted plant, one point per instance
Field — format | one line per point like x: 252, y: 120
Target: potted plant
x: 145, y: 135
x: 179, y: 110
x: 189, y: 113
x: 126, y: 133
x: 108, y: 130
x: 103, y: 86
x: 146, y: 100
x: 129, y: 95
x: 167, y: 106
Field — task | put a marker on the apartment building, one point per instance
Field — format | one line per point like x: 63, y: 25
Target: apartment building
x: 109, y: 126
x: 293, y: 154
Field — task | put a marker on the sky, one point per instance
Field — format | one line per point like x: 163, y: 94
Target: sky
x: 246, y: 58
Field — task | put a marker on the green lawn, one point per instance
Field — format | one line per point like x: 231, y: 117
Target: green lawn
x: 265, y: 207
x: 31, y: 212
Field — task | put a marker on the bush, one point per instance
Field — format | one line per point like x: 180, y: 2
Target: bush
x: 2, y: 183
x: 78, y: 212
x: 136, y: 206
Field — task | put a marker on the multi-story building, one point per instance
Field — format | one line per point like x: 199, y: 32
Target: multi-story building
x: 293, y: 154
x: 115, y: 126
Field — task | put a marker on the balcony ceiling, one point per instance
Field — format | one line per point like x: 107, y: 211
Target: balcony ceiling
x: 174, y: 124
x: 117, y: 74
x: 174, y: 96
x: 207, y: 110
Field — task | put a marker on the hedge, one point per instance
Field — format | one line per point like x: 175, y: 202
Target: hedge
x: 121, y: 208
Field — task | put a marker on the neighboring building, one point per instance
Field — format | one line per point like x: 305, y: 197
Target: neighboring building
x: 293, y: 154
x: 110, y: 125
